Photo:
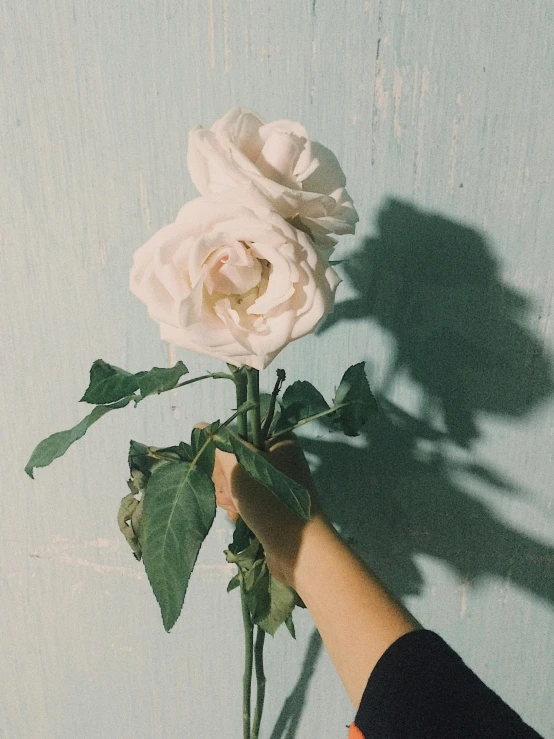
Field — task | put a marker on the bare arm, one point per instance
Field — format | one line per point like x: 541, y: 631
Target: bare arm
x: 357, y: 618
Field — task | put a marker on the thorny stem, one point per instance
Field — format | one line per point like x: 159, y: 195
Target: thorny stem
x: 254, y: 396
x: 247, y: 385
x: 257, y: 439
x: 271, y: 412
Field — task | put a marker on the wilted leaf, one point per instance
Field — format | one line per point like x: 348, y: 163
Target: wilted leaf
x: 281, y: 606
x: 257, y: 588
x: 127, y: 510
x: 246, y: 557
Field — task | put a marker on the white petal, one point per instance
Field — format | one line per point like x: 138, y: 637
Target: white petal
x: 278, y: 157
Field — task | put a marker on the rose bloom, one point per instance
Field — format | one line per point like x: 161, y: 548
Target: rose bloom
x: 233, y: 281
x: 302, y: 178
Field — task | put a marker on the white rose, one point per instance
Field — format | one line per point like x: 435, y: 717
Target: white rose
x: 232, y: 281
x: 302, y: 178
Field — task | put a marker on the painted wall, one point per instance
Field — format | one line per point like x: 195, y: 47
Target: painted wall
x: 440, y: 113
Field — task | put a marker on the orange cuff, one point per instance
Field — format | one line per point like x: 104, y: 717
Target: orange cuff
x: 355, y: 733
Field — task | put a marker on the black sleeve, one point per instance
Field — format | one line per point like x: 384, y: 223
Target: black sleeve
x: 421, y: 689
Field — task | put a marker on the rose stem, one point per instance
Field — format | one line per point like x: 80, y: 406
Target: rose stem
x: 272, y: 402
x: 242, y: 429
x: 242, y: 397
x: 254, y: 395
x: 260, y: 680
x: 247, y: 680
x: 257, y: 440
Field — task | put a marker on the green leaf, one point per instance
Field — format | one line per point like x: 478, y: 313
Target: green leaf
x: 234, y: 582
x: 242, y: 537
x: 109, y: 383
x: 355, y: 392
x: 288, y: 491
x: 298, y: 600
x: 257, y: 587
x: 160, y: 379
x: 181, y: 451
x: 245, y: 558
x: 300, y: 400
x: 178, y: 511
x: 207, y: 459
x: 290, y: 626
x: 143, y: 460
x: 269, y: 601
x: 57, y: 444
x: 137, y: 452
x: 222, y: 439
x: 281, y: 606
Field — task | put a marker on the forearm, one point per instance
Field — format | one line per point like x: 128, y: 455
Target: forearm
x: 355, y: 615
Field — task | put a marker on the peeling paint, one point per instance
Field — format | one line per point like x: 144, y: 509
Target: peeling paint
x: 211, y: 41
x: 381, y: 96
x: 226, y: 43
x: 144, y: 207
x: 397, y: 95
x: 454, y: 145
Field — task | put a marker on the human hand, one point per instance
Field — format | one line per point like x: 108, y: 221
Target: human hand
x: 284, y: 453
x: 276, y: 527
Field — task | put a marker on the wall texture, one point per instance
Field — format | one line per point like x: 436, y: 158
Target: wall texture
x: 441, y: 115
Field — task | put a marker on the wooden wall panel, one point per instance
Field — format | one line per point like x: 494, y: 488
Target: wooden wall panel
x: 441, y: 115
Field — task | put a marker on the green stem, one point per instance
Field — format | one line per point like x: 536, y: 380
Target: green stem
x: 213, y: 375
x: 242, y: 396
x: 241, y: 385
x: 247, y: 382
x: 247, y: 680
x: 312, y: 418
x: 257, y: 439
x: 273, y: 401
x: 253, y: 376
x: 260, y: 680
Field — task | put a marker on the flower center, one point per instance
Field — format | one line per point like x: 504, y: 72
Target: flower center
x: 233, y: 270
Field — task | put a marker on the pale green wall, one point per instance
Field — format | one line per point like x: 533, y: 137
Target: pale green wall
x: 441, y: 115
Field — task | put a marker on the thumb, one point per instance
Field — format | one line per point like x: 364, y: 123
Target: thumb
x: 201, y: 425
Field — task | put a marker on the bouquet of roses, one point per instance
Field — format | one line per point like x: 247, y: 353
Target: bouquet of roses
x: 243, y: 271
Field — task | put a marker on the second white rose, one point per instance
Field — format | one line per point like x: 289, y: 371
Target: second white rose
x: 233, y: 282
x: 301, y: 177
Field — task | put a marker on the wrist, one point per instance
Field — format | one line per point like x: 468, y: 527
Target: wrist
x: 284, y: 544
